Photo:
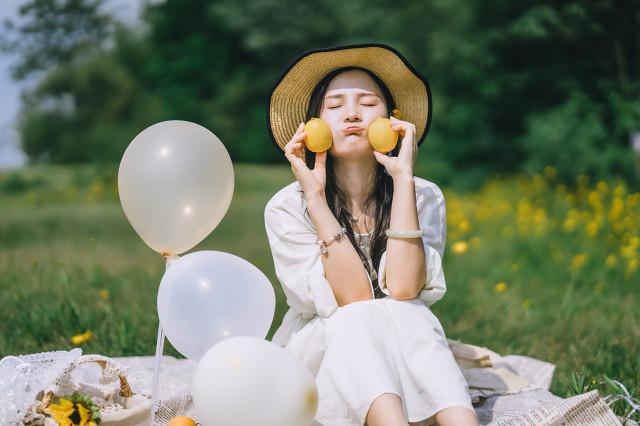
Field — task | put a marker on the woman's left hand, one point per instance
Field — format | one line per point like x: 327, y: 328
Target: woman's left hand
x: 402, y: 165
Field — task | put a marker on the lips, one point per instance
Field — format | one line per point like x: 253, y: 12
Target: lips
x: 353, y: 129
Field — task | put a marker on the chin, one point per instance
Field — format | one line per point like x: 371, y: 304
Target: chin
x: 353, y: 149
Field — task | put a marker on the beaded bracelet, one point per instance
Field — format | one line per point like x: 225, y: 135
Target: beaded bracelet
x: 405, y: 234
x: 324, y: 243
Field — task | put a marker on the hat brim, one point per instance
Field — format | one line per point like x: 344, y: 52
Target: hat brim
x: 290, y: 95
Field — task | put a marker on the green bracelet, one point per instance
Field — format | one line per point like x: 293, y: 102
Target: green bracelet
x: 405, y: 234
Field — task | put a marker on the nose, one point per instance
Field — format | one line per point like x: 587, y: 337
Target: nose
x: 352, y: 110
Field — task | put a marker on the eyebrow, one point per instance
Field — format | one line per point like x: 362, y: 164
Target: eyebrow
x: 340, y: 95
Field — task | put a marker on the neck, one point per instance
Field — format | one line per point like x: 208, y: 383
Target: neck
x: 355, y: 178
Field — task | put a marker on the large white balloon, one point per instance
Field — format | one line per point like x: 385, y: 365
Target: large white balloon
x: 246, y: 381
x: 208, y: 296
x: 175, y: 184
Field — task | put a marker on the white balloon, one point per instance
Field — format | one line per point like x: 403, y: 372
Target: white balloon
x: 246, y: 381
x: 208, y: 296
x: 175, y: 184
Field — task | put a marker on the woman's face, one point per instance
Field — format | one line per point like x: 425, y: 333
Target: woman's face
x: 351, y: 103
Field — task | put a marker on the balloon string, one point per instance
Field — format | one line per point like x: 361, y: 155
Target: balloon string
x: 155, y: 404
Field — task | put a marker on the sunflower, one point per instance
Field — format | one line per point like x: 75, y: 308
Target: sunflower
x: 75, y: 410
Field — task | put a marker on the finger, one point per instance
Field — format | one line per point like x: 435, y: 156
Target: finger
x: 297, y: 137
x: 381, y: 158
x: 291, y: 147
x: 297, y: 164
x: 295, y: 149
x: 321, y: 161
x: 296, y: 143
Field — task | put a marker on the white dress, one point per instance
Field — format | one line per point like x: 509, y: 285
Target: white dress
x: 364, y: 349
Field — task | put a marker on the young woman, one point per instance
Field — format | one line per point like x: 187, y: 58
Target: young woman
x: 357, y: 242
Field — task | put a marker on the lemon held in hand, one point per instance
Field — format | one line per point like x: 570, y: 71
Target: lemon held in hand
x: 381, y: 136
x: 319, y: 137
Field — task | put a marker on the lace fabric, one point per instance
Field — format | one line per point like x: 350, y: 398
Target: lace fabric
x: 22, y: 377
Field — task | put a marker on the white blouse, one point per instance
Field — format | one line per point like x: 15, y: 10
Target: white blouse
x: 298, y: 263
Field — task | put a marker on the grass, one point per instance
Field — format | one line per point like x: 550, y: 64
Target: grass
x: 533, y: 268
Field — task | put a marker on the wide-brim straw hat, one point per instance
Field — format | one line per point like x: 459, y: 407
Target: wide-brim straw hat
x: 289, y: 97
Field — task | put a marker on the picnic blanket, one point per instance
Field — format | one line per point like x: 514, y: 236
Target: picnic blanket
x: 506, y: 390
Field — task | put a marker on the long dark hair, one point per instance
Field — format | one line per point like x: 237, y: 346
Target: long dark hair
x: 382, y: 193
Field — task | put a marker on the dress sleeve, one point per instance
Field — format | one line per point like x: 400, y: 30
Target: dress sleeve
x: 432, y: 218
x: 297, y: 260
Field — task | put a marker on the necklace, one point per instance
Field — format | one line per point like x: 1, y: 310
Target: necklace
x: 355, y: 220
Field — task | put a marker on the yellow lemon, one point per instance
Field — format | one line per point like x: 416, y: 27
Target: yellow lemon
x: 381, y: 136
x: 319, y: 137
x: 181, y: 421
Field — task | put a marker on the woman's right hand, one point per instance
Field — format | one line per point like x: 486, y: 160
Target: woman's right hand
x: 313, y: 182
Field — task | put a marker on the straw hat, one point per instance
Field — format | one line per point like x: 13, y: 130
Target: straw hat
x: 289, y: 97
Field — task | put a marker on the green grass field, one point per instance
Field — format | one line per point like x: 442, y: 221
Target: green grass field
x: 533, y: 268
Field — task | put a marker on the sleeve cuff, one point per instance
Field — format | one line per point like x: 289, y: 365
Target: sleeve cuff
x: 435, y: 285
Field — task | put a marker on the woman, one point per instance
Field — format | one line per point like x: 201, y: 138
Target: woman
x: 378, y: 353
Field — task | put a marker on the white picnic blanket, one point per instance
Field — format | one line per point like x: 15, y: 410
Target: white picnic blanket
x: 506, y: 390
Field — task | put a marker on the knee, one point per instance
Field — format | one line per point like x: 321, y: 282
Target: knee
x: 386, y: 409
x: 457, y: 415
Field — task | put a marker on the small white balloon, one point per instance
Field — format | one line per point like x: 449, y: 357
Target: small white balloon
x: 244, y: 381
x: 208, y: 296
x: 175, y: 184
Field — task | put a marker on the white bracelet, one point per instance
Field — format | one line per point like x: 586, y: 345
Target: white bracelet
x: 405, y: 234
x: 324, y: 243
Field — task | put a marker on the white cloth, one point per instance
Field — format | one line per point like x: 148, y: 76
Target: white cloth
x: 363, y: 349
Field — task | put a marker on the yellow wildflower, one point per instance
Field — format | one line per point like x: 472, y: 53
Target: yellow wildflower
x: 602, y: 187
x: 501, y: 287
x: 460, y: 247
x: 104, y: 294
x: 79, y: 339
x: 627, y: 251
x: 619, y: 190
x: 611, y: 261
x: 464, y: 226
x: 578, y: 261
x: 592, y: 229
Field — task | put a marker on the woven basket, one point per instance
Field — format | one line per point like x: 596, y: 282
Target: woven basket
x: 111, y: 392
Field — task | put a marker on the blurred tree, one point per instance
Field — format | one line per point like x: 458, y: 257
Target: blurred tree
x: 560, y: 71
x: 516, y: 86
x: 52, y: 33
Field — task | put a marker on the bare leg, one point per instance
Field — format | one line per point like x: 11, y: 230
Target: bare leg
x: 386, y: 410
x: 421, y: 423
x: 457, y: 416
